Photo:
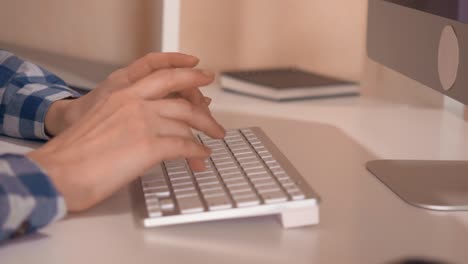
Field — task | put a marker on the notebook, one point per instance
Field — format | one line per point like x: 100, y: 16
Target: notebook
x: 283, y: 84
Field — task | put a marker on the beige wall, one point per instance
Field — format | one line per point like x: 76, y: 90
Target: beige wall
x: 323, y: 36
x: 112, y: 31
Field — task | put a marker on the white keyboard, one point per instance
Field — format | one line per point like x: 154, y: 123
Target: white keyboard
x: 246, y: 176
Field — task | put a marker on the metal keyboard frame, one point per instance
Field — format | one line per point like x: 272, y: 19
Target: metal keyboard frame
x: 293, y: 213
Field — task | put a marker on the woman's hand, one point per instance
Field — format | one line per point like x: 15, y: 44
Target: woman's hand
x: 64, y: 113
x: 126, y: 131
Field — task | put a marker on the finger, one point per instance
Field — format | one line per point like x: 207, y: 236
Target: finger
x: 156, y: 61
x: 194, y: 116
x: 170, y: 148
x: 166, y: 81
x: 196, y: 164
x: 196, y: 96
x: 171, y: 127
x: 193, y: 95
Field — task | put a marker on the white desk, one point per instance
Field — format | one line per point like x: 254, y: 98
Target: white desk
x: 329, y: 142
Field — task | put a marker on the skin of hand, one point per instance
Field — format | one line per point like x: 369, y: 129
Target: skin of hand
x: 62, y: 114
x: 125, y: 133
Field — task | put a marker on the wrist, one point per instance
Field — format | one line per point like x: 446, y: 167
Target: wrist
x: 58, y: 117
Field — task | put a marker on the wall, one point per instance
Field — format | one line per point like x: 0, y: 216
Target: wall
x: 112, y: 31
x: 323, y: 36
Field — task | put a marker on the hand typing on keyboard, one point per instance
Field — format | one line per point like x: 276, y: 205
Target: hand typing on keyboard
x: 140, y: 116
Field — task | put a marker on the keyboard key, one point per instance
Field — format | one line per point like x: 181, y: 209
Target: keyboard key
x: 156, y: 189
x: 178, y: 174
x: 211, y: 187
x: 260, y: 177
x: 184, y: 181
x: 227, y: 166
x: 202, y: 177
x: 210, y: 183
x: 223, y: 161
x: 252, y: 165
x: 245, y: 162
x: 167, y: 205
x: 207, y: 181
x: 213, y: 193
x: 246, y: 201
x: 188, y: 205
x: 174, y: 165
x: 152, y: 212
x: 253, y: 171
x: 256, y: 144
x: 233, y: 178
x: 242, y: 193
x: 205, y: 172
x: 234, y: 149
x: 273, y: 187
x: 226, y: 172
x: 232, y: 132
x: 184, y: 189
x: 265, y: 155
x: 245, y: 155
x: 281, y: 176
x: 287, y: 182
x: 185, y: 195
x: 239, y: 188
x: 161, y: 193
x: 296, y: 194
x: 242, y: 159
x: 274, y: 165
x: 268, y: 160
x: 218, y: 203
x: 242, y: 150
x: 274, y: 197
x: 277, y: 170
x: 238, y: 182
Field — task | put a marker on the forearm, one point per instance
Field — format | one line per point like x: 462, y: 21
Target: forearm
x: 28, y: 199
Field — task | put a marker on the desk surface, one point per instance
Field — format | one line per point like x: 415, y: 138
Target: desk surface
x: 329, y: 141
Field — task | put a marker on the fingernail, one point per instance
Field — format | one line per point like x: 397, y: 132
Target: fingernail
x: 208, y: 74
x: 208, y: 100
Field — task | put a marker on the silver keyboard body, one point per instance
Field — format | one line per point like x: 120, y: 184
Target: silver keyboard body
x: 246, y: 176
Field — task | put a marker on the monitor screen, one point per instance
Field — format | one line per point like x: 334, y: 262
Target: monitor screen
x: 451, y: 9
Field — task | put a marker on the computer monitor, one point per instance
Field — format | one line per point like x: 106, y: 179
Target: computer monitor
x: 426, y: 40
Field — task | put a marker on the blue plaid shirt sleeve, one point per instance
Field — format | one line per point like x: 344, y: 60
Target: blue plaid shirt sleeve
x: 26, y: 93
x: 28, y: 199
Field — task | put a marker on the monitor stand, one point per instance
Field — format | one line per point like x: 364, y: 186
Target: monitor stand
x: 435, y: 185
